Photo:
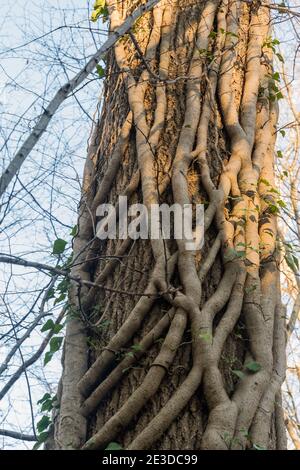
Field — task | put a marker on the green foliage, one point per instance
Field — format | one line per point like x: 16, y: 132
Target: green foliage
x: 282, y: 132
x: 59, y: 246
x: 50, y: 325
x: 136, y: 347
x: 99, y: 9
x: 100, y: 70
x: 228, y: 33
x: 292, y: 262
x: 250, y: 367
x: 274, y: 92
x: 74, y: 231
x: 271, y: 44
x: 258, y: 447
x: 114, y: 446
x: 41, y: 438
x: 43, y: 424
x: 55, y: 344
x: 240, y: 374
x: 47, y: 402
x: 253, y: 367
x: 62, y: 290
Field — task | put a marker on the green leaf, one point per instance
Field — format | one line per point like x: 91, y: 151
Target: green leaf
x: 253, y: 367
x: 47, y: 406
x: 279, y: 154
x: 212, y: 34
x: 114, y: 446
x: 44, y: 398
x: 57, y: 328
x: 48, y: 357
x: 279, y: 57
x: 100, y: 70
x: 74, y: 231
x: 281, y: 203
x: 136, y: 347
x: 43, y: 424
x: 59, y: 246
x: 63, y: 286
x: 48, y: 325
x: 60, y: 299
x: 55, y: 343
x: 99, y: 9
x: 290, y: 261
x: 273, y: 209
x: 50, y: 294
x: 130, y: 354
x: 282, y: 132
x: 99, y: 4
x: 276, y: 76
x: 41, y: 439
x: 238, y: 373
x: 296, y: 261
x: 258, y: 447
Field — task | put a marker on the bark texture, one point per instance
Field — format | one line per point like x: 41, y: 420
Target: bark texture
x: 187, y: 118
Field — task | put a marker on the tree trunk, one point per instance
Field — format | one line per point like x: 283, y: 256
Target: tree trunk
x: 188, y: 117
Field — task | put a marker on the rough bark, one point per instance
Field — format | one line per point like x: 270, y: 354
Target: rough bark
x: 186, y: 118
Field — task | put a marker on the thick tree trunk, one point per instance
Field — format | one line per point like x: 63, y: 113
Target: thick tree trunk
x: 199, y: 362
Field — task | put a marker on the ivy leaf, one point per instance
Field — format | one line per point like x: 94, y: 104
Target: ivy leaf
x: 279, y: 57
x: 100, y: 70
x: 47, y: 406
x: 44, y: 398
x: 48, y: 357
x: 290, y: 261
x: 41, y: 439
x: 281, y: 203
x: 136, y: 347
x: 99, y: 6
x: 55, y: 343
x: 114, y: 446
x: 60, y: 299
x: 258, y: 447
x: 296, y: 261
x: 50, y: 294
x: 130, y: 354
x: 43, y: 424
x: 59, y: 246
x: 238, y: 373
x: 48, y: 325
x: 74, y: 231
x: 253, y: 367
